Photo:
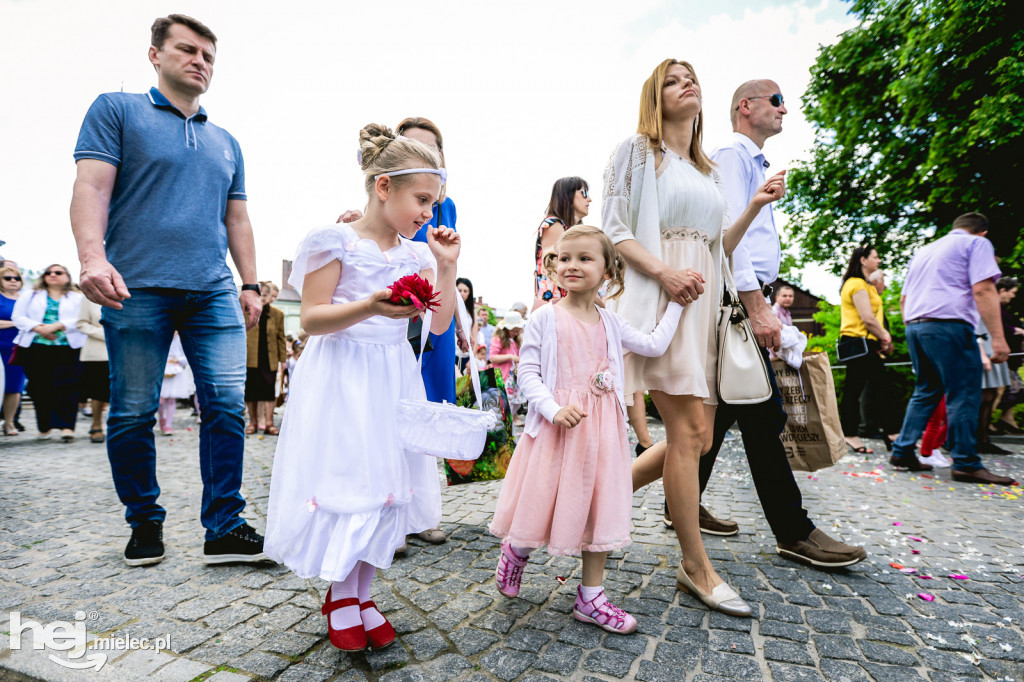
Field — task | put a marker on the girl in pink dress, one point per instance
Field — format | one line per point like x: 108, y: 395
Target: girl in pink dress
x: 569, y: 485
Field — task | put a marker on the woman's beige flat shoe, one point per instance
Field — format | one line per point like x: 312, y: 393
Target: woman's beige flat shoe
x: 723, y: 598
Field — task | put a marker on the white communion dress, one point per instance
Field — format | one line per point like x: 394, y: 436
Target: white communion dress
x: 343, y: 488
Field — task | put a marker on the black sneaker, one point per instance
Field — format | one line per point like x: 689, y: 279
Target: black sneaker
x: 147, y: 544
x: 240, y: 544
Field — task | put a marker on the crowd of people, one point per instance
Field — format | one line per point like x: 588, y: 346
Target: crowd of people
x: 622, y: 311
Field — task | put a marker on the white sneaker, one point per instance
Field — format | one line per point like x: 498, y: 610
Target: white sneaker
x: 936, y: 459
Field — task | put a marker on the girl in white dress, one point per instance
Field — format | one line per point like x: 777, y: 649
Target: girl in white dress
x: 344, y: 492
x: 178, y: 384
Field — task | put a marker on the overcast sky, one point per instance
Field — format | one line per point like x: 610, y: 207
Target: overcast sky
x: 524, y: 93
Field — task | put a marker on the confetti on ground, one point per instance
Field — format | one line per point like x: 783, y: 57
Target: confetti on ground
x: 958, y: 576
x: 898, y: 567
x: 972, y: 658
x: 908, y: 570
x: 925, y: 596
x: 925, y: 577
x: 915, y: 551
x: 897, y: 523
x: 915, y: 538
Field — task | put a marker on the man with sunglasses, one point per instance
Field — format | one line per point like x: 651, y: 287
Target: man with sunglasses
x: 158, y: 200
x: 757, y: 110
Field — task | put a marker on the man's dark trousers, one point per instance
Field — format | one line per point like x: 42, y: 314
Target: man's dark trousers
x: 761, y: 426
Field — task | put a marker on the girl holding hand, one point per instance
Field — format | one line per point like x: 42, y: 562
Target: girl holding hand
x: 569, y: 485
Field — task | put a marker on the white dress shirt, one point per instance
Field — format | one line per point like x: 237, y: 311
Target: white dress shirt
x: 758, y: 255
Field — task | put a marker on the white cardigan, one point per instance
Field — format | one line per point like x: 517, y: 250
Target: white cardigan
x: 629, y: 210
x: 95, y: 348
x: 30, y: 309
x: 538, y: 358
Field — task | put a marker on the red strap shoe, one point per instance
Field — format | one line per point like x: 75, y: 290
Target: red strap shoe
x: 382, y: 635
x: 348, y: 639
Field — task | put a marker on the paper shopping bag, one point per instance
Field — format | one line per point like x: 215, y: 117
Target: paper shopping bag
x: 813, y: 437
x: 497, y: 452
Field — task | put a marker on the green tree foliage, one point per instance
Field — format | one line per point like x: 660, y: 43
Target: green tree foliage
x: 919, y: 117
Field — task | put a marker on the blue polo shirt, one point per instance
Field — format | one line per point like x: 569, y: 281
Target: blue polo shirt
x: 175, y: 175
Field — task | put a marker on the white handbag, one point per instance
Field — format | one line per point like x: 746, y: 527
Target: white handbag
x: 742, y: 372
x: 442, y: 429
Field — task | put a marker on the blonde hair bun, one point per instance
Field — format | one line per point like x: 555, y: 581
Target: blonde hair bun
x: 381, y: 152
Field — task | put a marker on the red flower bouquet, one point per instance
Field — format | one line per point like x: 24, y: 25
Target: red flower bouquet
x: 414, y: 290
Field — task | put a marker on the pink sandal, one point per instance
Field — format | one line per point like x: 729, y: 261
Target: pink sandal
x: 603, y: 614
x: 509, y: 574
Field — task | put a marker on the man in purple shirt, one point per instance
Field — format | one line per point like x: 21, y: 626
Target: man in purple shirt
x: 950, y: 282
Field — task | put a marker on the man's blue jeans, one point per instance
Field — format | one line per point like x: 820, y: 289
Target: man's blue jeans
x: 947, y: 360
x: 213, y: 337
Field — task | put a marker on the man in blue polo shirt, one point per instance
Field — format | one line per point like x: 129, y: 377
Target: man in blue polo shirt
x: 158, y: 201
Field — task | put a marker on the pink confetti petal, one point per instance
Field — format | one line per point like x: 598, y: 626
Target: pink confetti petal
x: 925, y: 596
x: 925, y: 577
x: 915, y: 538
x: 915, y: 551
x: 908, y: 570
x: 897, y: 523
x: 958, y: 576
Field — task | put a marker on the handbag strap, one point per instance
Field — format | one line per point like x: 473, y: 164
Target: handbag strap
x: 730, y: 284
x: 474, y: 370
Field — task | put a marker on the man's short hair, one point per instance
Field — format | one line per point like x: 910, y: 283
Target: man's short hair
x: 1007, y: 283
x: 162, y: 26
x: 973, y: 222
x: 783, y: 287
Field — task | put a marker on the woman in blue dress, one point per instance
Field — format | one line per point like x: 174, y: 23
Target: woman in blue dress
x: 14, y: 384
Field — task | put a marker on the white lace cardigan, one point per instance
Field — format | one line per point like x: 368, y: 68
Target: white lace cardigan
x: 630, y: 211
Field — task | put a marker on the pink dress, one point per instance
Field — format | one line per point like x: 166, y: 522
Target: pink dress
x: 497, y: 349
x: 571, y: 489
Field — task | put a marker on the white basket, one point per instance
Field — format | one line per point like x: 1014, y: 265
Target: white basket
x: 443, y: 430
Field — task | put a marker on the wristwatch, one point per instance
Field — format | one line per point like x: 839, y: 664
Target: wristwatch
x: 251, y: 287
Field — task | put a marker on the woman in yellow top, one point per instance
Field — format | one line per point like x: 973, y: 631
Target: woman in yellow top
x: 863, y: 340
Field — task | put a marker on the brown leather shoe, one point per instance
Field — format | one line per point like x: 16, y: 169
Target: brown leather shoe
x: 712, y: 526
x: 821, y: 550
x: 981, y: 476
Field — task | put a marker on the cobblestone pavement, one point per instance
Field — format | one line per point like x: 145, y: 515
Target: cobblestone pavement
x: 62, y: 537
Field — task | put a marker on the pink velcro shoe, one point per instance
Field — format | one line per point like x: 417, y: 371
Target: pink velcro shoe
x: 509, y: 574
x: 603, y: 614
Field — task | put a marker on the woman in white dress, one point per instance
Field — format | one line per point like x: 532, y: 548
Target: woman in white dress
x: 344, y: 491
x: 664, y: 210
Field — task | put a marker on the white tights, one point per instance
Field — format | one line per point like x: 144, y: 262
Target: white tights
x: 357, y: 585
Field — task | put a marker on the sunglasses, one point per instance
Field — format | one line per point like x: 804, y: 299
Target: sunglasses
x: 8, y: 278
x: 54, y: 272
x: 775, y: 100
x: 585, y: 192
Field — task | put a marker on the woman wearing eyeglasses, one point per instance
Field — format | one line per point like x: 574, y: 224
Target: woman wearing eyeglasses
x: 47, y: 318
x: 664, y: 209
x: 14, y: 382
x: 569, y: 205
